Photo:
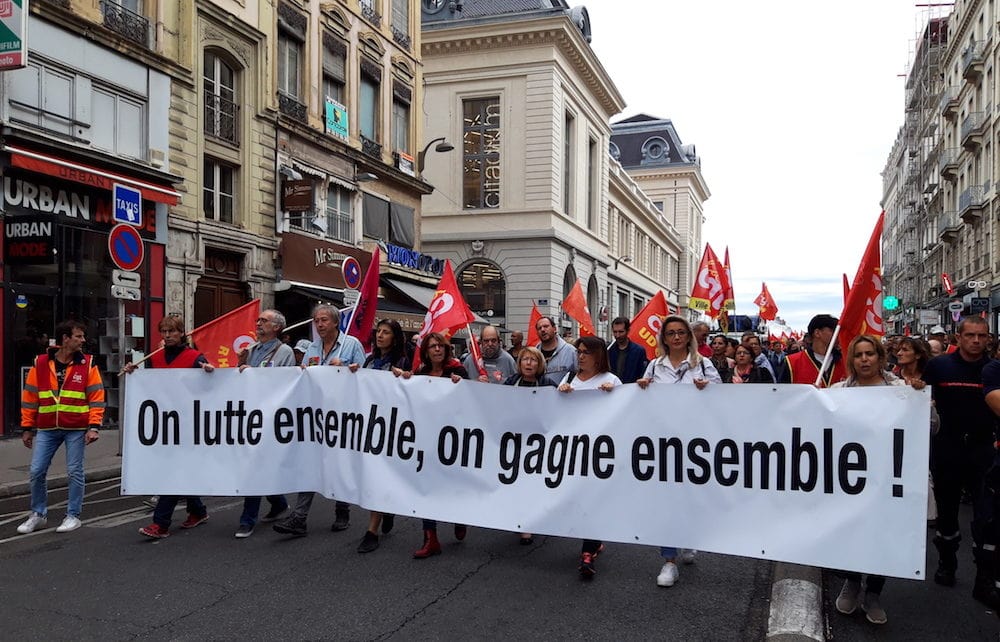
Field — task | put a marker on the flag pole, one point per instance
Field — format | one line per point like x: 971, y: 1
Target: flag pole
x: 829, y: 356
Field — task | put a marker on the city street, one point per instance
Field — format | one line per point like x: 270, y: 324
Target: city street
x: 106, y: 581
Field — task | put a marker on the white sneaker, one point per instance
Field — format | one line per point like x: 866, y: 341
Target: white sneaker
x: 69, y: 524
x: 34, y: 521
x: 668, y: 575
x: 688, y: 555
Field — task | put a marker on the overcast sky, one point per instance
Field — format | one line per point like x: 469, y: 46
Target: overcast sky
x: 793, y: 106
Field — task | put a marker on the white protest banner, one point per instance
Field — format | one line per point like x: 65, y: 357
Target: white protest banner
x: 833, y: 478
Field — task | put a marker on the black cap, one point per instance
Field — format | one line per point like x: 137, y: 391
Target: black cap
x: 822, y: 321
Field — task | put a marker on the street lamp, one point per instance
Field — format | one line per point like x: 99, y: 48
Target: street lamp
x: 442, y: 146
x: 622, y: 259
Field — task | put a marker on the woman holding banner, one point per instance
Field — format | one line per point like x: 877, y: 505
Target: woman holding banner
x: 436, y: 360
x: 677, y: 361
x: 175, y: 353
x: 866, y: 363
x: 389, y: 353
x: 593, y: 373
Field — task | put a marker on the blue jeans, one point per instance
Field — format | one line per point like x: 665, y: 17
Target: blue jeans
x: 165, y: 506
x: 668, y: 552
x: 251, y: 508
x: 46, y: 444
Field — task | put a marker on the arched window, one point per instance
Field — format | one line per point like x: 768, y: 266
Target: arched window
x: 485, y: 290
x: 221, y: 104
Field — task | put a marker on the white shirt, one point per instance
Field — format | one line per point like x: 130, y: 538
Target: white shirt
x: 660, y: 370
x: 594, y: 382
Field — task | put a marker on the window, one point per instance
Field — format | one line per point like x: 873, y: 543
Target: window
x: 339, y: 220
x: 334, y: 69
x: 369, y: 106
x: 567, y: 162
x: 593, y: 183
x: 219, y: 82
x: 481, y: 153
x: 400, y: 25
x: 623, y: 237
x: 217, y: 203
x: 289, y: 59
x: 401, y: 125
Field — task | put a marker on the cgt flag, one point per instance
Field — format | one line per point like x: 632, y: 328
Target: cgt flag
x: 863, y: 308
x: 768, y: 308
x: 645, y: 327
x: 709, y: 292
x: 532, y: 339
x: 222, y: 339
x: 575, y: 305
x: 446, y: 313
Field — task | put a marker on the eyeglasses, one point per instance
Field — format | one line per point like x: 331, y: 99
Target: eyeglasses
x: 264, y: 320
x: 675, y: 333
x: 583, y: 351
x: 435, y: 345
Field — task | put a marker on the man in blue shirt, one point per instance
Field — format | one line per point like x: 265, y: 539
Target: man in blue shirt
x: 626, y: 358
x: 333, y: 348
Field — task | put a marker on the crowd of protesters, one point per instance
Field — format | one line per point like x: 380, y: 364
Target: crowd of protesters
x: 63, y: 404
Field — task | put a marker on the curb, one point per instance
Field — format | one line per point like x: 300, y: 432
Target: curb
x: 796, y: 604
x: 11, y: 489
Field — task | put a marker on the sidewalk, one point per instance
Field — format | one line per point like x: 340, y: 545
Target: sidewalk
x: 100, y: 461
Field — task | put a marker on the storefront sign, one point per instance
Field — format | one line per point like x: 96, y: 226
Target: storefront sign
x: 296, y: 196
x: 412, y: 259
x: 309, y: 260
x: 13, y: 32
x: 28, y: 239
x: 91, y: 208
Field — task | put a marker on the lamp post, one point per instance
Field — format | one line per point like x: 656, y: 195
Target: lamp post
x: 622, y: 259
x: 442, y: 146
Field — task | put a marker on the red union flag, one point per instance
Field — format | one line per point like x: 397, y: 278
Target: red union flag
x: 709, y: 292
x: 645, y: 328
x: 863, y: 308
x: 768, y: 308
x: 222, y: 339
x: 446, y: 313
x: 363, y: 316
x: 532, y: 339
x: 575, y: 305
x: 729, y: 303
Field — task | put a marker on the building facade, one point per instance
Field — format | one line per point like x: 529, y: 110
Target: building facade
x: 531, y: 201
x: 940, y: 195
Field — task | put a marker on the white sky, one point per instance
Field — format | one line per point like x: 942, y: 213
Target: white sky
x: 793, y: 106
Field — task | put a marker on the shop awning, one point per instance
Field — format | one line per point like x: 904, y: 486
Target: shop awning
x: 317, y: 292
x: 80, y: 173
x: 421, y: 294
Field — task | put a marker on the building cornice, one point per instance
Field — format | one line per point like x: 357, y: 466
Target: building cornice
x: 557, y: 32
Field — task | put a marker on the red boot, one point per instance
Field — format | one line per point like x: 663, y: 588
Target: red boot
x: 431, y: 546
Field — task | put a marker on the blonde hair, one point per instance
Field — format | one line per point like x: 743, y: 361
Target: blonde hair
x: 694, y: 357
x: 539, y: 357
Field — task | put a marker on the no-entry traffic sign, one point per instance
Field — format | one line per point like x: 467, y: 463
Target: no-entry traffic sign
x: 125, y: 246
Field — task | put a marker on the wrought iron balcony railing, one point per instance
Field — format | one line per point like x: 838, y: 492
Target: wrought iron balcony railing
x: 126, y: 23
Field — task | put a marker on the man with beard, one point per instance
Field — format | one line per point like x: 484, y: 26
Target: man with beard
x: 498, y: 363
x: 560, y: 357
x: 627, y: 358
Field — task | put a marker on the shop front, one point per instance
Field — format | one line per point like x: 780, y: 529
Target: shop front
x: 316, y: 271
x: 57, y: 216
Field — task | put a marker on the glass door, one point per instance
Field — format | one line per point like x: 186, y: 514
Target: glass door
x: 28, y: 332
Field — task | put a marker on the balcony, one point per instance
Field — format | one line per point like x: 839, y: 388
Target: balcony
x: 972, y: 130
x: 973, y: 59
x: 291, y: 107
x: 127, y: 24
x: 948, y: 226
x: 369, y: 13
x: 948, y: 163
x: 370, y: 147
x: 401, y: 38
x: 949, y: 103
x: 972, y: 202
x: 221, y: 118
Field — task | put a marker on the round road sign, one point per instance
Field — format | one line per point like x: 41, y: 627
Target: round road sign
x: 352, y: 272
x: 126, y: 247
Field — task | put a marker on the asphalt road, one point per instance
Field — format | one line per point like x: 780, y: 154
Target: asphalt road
x: 105, y: 581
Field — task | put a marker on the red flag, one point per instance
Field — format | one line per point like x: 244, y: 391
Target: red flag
x: 575, y: 305
x: 222, y: 339
x: 729, y: 301
x: 645, y: 327
x: 862, y: 312
x: 477, y: 354
x: 363, y: 317
x: 709, y: 292
x: 768, y: 308
x: 532, y: 322
x: 446, y: 312
x: 847, y: 287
